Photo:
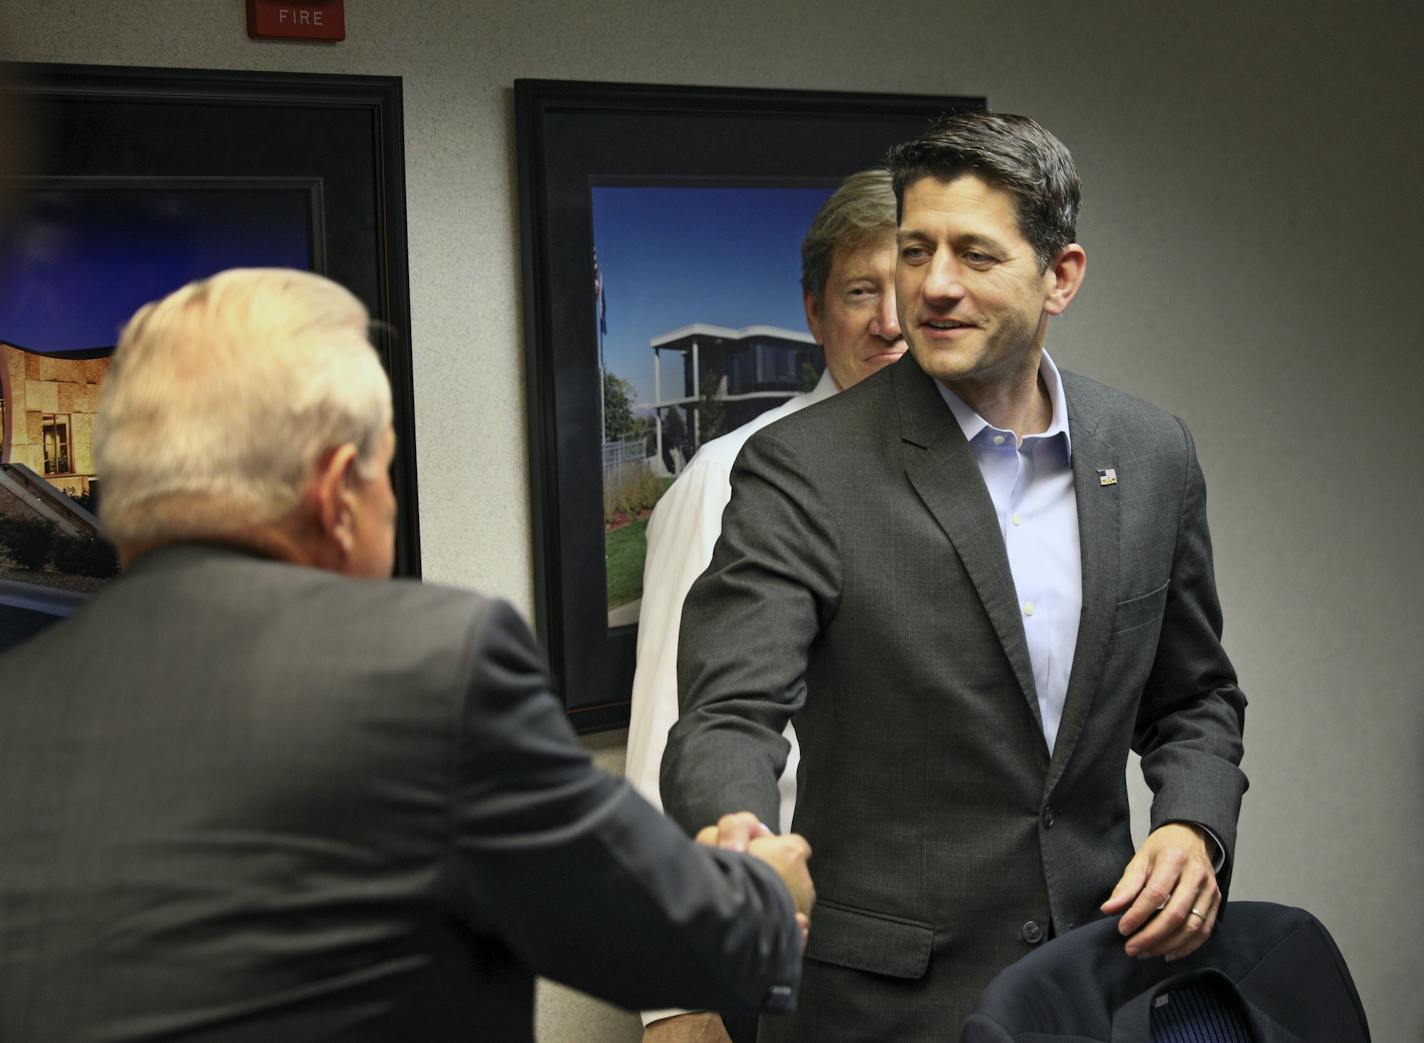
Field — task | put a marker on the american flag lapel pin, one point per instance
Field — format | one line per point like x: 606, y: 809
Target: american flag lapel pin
x: 1107, y: 476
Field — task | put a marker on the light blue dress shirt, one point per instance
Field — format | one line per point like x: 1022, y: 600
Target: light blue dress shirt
x: 1030, y: 481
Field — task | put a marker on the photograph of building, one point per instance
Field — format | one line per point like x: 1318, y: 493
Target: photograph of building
x: 47, y: 408
x: 79, y: 257
x: 719, y: 378
x: 701, y: 328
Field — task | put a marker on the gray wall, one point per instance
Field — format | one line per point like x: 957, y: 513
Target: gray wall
x: 1252, y: 177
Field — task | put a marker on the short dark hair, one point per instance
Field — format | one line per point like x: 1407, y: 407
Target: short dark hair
x: 859, y: 210
x: 1010, y: 152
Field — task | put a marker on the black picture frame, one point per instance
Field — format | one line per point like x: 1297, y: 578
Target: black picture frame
x: 341, y: 135
x: 571, y: 134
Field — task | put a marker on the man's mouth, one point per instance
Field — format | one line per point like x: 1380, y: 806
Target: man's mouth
x: 948, y: 324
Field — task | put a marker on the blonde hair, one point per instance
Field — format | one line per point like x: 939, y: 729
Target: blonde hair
x: 221, y: 397
x: 862, y: 208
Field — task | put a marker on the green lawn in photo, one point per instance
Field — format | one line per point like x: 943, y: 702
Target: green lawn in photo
x: 625, y: 548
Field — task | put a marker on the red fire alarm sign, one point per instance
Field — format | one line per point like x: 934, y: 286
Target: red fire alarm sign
x: 296, y: 19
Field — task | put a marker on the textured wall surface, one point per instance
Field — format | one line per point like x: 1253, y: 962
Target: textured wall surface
x: 1251, y: 217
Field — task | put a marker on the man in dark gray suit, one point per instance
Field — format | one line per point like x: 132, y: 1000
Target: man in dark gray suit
x: 248, y: 793
x: 975, y: 582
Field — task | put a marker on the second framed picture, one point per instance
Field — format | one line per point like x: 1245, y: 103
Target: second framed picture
x: 661, y: 260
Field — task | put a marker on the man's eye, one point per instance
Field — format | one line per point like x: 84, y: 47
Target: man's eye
x: 978, y: 257
x: 913, y: 253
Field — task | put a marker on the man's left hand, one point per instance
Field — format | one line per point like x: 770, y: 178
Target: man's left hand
x: 1169, y: 893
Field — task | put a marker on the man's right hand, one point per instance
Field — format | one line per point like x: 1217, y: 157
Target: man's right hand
x: 699, y: 1026
x: 788, y: 855
x: 733, y: 832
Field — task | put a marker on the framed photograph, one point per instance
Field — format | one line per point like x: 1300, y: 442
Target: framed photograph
x: 138, y: 181
x: 661, y: 232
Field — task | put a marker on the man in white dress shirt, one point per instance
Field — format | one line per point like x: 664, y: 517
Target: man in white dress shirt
x: 848, y: 283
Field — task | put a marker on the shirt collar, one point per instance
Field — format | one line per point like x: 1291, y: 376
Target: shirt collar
x: 825, y: 388
x: 972, y: 424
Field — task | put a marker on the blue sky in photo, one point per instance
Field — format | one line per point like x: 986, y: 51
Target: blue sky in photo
x: 77, y: 263
x: 674, y: 255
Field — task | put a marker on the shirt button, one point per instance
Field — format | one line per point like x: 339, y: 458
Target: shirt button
x: 998, y: 439
x: 1016, y: 519
x: 1028, y: 608
x: 1048, y: 817
x: 1032, y: 932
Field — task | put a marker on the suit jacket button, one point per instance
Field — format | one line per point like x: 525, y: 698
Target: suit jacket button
x: 1048, y: 817
x: 1032, y: 932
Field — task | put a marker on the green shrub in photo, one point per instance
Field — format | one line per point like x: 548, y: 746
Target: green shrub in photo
x: 28, y: 541
x: 638, y: 492
x: 85, y: 556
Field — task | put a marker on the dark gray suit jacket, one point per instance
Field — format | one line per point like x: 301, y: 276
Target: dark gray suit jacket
x: 241, y: 800
x: 861, y: 554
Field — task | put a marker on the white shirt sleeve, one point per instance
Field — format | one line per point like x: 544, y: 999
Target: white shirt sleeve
x: 681, y: 534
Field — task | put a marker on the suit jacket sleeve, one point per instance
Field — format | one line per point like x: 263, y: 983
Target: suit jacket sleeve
x: 582, y: 878
x: 1190, y: 721
x: 747, y: 627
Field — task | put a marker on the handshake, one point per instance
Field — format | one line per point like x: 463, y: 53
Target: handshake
x: 786, y: 854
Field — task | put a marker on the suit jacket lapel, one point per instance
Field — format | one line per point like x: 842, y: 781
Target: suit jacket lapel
x: 941, y: 467
x: 1099, y: 519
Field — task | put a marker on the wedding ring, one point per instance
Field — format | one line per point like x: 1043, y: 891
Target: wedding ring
x: 1196, y: 912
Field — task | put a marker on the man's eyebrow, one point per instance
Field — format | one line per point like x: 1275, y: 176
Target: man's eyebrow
x: 856, y: 275
x: 979, y: 239
x: 962, y: 240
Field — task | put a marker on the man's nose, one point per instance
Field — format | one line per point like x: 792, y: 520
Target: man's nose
x: 886, y: 322
x: 944, y: 279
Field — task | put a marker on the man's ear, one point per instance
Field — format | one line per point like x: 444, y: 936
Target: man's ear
x: 813, y: 316
x: 1064, y: 276
x: 330, y: 501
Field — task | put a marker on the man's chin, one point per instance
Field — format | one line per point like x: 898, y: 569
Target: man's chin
x: 883, y: 359
x: 943, y: 362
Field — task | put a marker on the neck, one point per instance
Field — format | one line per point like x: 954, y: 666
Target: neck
x: 1017, y: 401
x: 271, y: 541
